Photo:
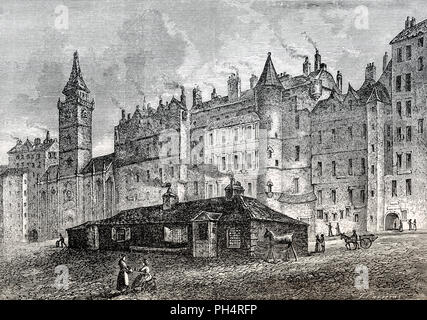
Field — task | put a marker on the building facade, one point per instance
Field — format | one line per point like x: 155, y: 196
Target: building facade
x: 299, y: 144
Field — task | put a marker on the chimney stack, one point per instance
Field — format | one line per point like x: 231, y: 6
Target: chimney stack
x: 123, y: 114
x: 128, y: 116
x: 213, y: 94
x: 233, y: 85
x: 306, y: 67
x: 385, y: 61
x: 47, y: 136
x: 407, y: 22
x: 169, y: 198
x: 413, y: 21
x: 253, y: 81
x: 234, y: 189
x: 370, y: 72
x: 317, y: 60
x: 183, y: 98
x: 197, y: 96
x: 339, y: 80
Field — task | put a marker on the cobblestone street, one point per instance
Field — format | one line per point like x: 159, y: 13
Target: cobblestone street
x: 396, y: 264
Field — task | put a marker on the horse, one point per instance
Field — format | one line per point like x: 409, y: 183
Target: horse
x: 349, y: 240
x: 282, y: 239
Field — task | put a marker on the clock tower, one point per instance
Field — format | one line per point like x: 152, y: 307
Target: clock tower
x: 75, y: 124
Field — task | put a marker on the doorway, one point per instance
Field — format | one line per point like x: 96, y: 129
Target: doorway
x: 392, y: 221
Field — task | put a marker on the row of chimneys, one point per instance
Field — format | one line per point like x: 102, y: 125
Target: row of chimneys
x: 37, y: 141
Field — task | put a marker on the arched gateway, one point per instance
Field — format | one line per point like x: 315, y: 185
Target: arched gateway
x: 391, y: 221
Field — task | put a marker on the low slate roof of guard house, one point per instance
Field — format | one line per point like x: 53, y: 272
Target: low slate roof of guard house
x: 184, y: 212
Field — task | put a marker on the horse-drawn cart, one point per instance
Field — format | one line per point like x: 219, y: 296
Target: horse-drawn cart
x: 363, y: 241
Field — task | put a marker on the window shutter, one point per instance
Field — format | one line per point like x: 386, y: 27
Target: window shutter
x: 113, y: 234
x: 127, y: 234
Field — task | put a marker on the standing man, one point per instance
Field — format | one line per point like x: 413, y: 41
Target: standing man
x: 322, y: 243
x: 401, y: 226
x: 123, y: 277
x: 410, y: 224
x: 330, y: 230
x: 338, y: 229
x: 415, y: 225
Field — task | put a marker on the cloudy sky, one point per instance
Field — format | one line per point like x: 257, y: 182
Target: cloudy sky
x: 134, y: 48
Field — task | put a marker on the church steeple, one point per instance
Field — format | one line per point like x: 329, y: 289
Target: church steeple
x: 75, y: 82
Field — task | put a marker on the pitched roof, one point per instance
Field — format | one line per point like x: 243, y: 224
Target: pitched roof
x: 99, y: 163
x: 184, y: 212
x: 28, y: 146
x: 75, y: 82
x: 411, y: 32
x: 379, y: 93
x: 269, y: 76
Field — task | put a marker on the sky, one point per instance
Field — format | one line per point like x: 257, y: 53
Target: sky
x: 135, y: 49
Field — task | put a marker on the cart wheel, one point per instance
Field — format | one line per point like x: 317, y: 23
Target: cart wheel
x: 365, y: 243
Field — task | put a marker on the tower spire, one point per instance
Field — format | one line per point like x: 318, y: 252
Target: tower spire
x: 75, y: 82
x: 269, y: 76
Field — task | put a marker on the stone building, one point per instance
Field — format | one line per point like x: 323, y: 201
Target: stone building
x: 299, y: 144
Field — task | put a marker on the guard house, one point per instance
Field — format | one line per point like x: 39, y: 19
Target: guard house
x: 205, y: 228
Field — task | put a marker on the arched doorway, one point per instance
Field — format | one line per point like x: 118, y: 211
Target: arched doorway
x: 391, y: 221
x: 33, y: 236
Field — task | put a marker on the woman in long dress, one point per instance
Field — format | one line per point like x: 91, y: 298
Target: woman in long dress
x: 123, y: 277
x: 144, y: 276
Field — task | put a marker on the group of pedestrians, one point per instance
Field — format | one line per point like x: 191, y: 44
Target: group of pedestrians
x: 140, y: 280
x: 411, y: 224
x: 320, y: 243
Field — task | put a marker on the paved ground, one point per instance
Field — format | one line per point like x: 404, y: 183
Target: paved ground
x: 396, y: 265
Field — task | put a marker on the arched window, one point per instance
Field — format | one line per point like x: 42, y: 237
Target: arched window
x: 269, y: 187
x: 269, y: 153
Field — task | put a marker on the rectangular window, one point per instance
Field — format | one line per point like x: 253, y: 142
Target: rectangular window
x: 409, y: 108
x: 161, y: 174
x: 319, y: 169
x: 249, y: 160
x: 363, y: 166
x: 393, y: 188
x: 408, y: 82
x: 211, y: 139
x: 249, y: 188
x: 399, y: 133
x: 319, y: 197
x: 297, y: 149
x: 334, y: 196
x: 420, y: 63
x: 320, y: 136
x: 362, y: 196
x: 372, y: 169
x: 420, y: 125
x: 399, y: 55
x: 399, y: 160
x: 372, y: 147
x: 223, y: 163
x: 196, y: 188
x: 399, y: 108
x: 388, y: 145
x: 334, y: 135
x: 408, y: 161
x: 408, y: 52
x: 334, y: 168
x: 398, y: 83
x: 408, y: 133
x: 388, y: 130
x: 350, y: 132
x: 350, y: 167
x: 408, y: 187
x: 236, y: 162
x: 320, y: 214
x: 421, y: 42
x: 176, y: 234
x: 350, y: 196
x: 297, y: 122
x: 248, y: 132
x: 210, y: 191
x: 296, y: 185
x: 233, y: 238
x: 364, y: 131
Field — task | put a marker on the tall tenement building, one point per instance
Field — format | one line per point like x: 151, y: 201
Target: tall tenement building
x: 299, y: 144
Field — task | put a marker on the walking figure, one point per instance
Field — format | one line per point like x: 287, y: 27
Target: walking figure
x: 330, y: 230
x: 123, y: 277
x: 61, y: 242
x: 401, y: 226
x: 410, y: 224
x: 317, y: 247
x: 415, y: 225
x: 322, y: 243
x: 338, y: 229
x: 395, y: 224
